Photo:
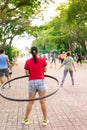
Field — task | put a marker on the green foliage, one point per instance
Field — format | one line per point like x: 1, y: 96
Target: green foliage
x: 16, y: 17
x: 12, y: 52
x: 77, y: 11
x: 80, y: 50
x: 67, y: 31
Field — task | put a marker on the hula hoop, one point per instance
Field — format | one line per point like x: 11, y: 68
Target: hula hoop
x: 33, y: 99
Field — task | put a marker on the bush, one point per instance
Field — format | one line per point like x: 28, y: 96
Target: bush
x: 12, y: 53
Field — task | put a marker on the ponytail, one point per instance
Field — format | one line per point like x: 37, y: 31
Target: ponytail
x: 34, y: 51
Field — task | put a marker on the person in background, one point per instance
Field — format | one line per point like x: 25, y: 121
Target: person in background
x: 35, y: 68
x: 79, y: 58
x: 62, y: 56
x: 69, y: 63
x: 53, y: 59
x: 4, y: 65
x: 48, y: 57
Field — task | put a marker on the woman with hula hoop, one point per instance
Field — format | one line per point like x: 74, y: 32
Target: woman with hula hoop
x: 35, y: 68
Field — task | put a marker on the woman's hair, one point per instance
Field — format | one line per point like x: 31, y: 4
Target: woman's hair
x: 68, y: 54
x: 34, y: 51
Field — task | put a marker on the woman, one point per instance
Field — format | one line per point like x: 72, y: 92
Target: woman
x: 68, y: 62
x: 35, y: 68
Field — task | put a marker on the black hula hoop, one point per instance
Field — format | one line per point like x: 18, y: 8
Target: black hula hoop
x: 33, y: 99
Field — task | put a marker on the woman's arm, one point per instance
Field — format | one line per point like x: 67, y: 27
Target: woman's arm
x: 62, y: 65
x: 73, y: 65
x: 45, y: 69
x: 27, y: 72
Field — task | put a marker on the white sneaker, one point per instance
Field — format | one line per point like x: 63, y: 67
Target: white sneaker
x: 25, y: 121
x: 10, y: 86
x: 45, y: 122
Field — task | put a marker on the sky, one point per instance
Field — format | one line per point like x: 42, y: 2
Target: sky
x: 49, y: 13
x: 23, y: 42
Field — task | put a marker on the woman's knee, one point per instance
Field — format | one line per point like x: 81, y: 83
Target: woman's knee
x: 31, y: 102
x: 43, y: 101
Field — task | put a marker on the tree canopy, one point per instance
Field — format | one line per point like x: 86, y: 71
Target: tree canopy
x: 68, y: 30
x: 16, y: 17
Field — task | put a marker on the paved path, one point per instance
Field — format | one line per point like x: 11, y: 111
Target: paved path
x: 67, y: 109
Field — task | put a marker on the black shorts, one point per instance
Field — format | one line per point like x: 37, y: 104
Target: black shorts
x: 4, y: 72
x: 10, y: 72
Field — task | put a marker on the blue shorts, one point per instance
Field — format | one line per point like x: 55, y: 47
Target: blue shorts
x: 4, y: 72
x: 37, y: 86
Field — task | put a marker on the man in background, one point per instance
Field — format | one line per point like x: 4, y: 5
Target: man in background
x: 4, y: 65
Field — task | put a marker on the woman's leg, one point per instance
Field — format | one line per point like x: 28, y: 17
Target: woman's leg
x: 29, y: 105
x: 43, y: 104
x: 71, y: 74
x: 64, y: 76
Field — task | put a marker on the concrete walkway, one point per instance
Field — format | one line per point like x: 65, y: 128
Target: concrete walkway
x: 67, y: 109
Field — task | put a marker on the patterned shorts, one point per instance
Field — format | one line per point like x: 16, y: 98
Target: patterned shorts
x: 37, y: 86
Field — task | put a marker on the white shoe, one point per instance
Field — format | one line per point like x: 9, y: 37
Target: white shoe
x: 45, y: 122
x: 25, y: 121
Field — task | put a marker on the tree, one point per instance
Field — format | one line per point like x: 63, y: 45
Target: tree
x: 77, y: 17
x: 77, y: 11
x: 68, y: 29
x: 16, y: 17
x: 54, y: 34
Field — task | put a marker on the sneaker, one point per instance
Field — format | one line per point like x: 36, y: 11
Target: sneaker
x: 10, y: 86
x: 25, y: 121
x: 3, y: 87
x: 45, y: 122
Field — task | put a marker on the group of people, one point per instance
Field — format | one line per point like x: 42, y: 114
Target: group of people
x: 35, y: 67
x: 62, y: 56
